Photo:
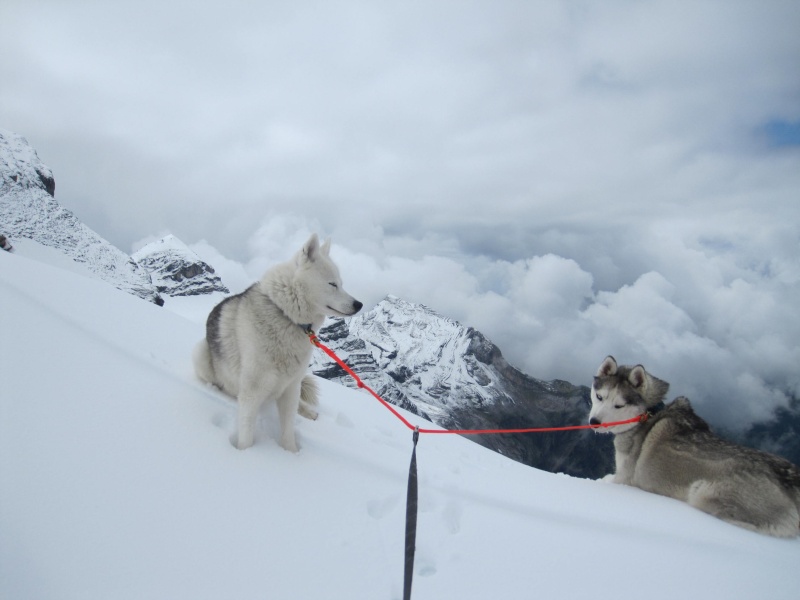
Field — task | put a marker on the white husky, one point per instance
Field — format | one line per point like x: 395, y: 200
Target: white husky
x: 675, y: 454
x: 257, y: 347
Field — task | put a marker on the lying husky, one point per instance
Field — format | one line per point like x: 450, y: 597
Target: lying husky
x: 257, y: 348
x: 674, y: 453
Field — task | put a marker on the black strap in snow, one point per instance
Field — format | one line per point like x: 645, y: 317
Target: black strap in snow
x: 411, y: 520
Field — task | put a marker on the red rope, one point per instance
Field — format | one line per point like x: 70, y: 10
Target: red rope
x: 315, y: 340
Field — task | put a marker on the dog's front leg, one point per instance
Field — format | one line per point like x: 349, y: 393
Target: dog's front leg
x: 251, y: 397
x: 248, y: 413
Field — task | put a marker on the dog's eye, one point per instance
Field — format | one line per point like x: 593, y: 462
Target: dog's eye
x: 599, y: 397
x: 618, y: 405
x: 333, y: 285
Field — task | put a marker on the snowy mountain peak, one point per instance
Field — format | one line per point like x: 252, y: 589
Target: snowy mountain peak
x: 176, y: 270
x: 28, y: 209
x: 21, y: 167
x: 166, y: 243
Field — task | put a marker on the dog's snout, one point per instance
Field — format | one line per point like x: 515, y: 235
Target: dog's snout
x: 357, y: 305
x: 594, y: 421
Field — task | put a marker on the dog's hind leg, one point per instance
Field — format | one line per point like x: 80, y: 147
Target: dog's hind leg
x: 248, y: 413
x: 753, y: 505
x: 309, y: 399
x: 288, y: 404
x: 201, y: 357
x: 252, y: 394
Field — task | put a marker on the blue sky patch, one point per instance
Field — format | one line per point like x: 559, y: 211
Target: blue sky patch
x: 783, y: 133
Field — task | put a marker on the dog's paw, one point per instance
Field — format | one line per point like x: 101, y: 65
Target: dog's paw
x: 306, y: 411
x: 239, y: 445
x: 290, y: 446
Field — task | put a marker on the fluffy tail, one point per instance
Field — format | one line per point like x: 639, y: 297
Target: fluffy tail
x: 309, y: 398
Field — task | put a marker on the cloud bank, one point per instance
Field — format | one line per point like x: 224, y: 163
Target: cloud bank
x: 720, y: 326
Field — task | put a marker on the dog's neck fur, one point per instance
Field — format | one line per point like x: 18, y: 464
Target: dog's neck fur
x: 279, y: 286
x: 628, y: 445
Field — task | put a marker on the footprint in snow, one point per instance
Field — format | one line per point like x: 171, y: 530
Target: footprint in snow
x: 342, y: 420
x: 221, y: 420
x: 378, y: 508
x: 451, y: 515
x: 425, y: 567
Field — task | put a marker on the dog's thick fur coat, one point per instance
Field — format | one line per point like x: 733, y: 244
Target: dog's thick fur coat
x: 257, y: 348
x: 675, y: 454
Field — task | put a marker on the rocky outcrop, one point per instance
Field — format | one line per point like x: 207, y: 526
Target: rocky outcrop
x: 28, y: 209
x: 176, y: 270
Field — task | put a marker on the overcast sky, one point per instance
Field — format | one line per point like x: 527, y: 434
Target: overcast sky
x: 572, y: 178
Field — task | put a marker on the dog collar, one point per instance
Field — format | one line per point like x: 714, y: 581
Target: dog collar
x: 655, y: 410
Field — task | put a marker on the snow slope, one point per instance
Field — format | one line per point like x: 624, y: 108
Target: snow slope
x: 117, y: 480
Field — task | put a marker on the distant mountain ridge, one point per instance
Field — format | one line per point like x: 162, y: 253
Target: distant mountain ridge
x: 176, y: 270
x: 454, y: 376
x: 29, y: 209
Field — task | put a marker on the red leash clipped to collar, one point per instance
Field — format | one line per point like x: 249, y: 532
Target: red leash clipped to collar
x: 315, y: 340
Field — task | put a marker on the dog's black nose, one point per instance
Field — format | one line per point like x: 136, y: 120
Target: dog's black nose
x: 594, y: 421
x: 357, y: 305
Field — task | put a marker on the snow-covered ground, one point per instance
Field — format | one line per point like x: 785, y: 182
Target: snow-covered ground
x: 117, y: 480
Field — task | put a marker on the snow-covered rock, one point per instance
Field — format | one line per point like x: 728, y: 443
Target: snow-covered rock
x: 452, y: 375
x: 28, y: 209
x: 176, y: 270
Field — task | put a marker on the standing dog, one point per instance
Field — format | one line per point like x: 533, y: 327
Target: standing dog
x: 257, y: 348
x: 674, y: 453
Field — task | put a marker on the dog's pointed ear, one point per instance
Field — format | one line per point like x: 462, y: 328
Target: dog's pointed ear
x: 326, y: 247
x: 609, y: 367
x: 637, y: 376
x: 310, y: 249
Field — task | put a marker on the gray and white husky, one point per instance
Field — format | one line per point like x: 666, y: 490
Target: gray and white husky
x: 257, y: 347
x: 674, y: 453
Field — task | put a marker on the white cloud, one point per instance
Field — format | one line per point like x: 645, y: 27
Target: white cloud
x: 232, y: 273
x: 549, y: 286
